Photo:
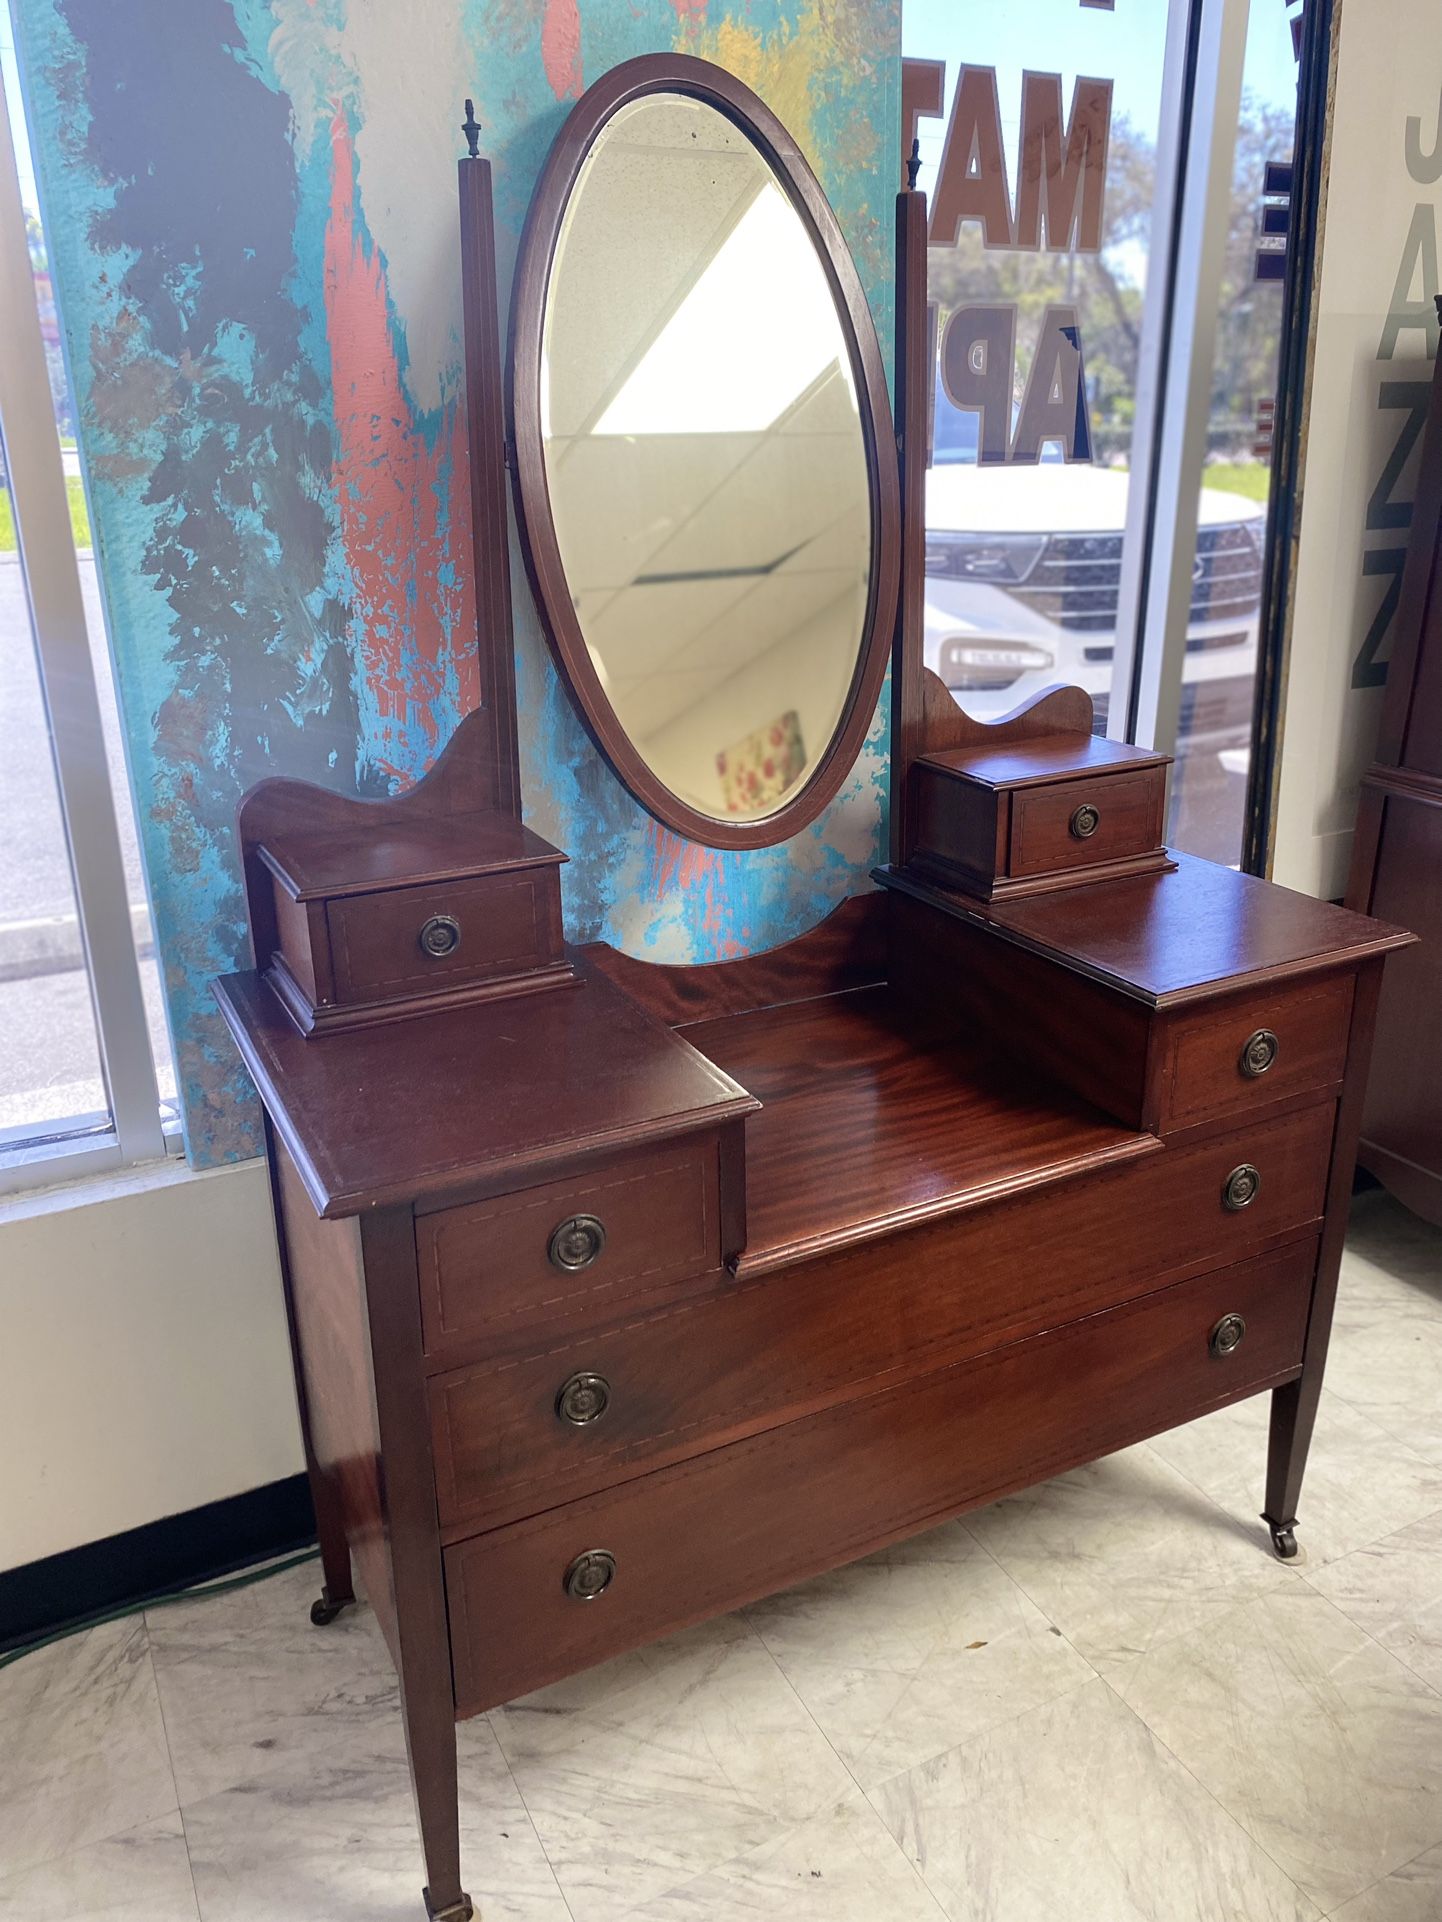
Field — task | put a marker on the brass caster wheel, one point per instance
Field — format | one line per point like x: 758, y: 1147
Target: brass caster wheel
x: 459, y: 1911
x: 1284, y: 1539
x: 324, y: 1610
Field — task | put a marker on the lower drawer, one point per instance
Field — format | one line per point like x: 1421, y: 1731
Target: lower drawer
x: 576, y: 1411
x: 633, y: 1227
x: 1245, y: 1050
x: 542, y: 1598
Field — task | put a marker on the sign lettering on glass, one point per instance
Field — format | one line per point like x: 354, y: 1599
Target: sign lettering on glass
x: 1058, y: 207
x: 1411, y: 311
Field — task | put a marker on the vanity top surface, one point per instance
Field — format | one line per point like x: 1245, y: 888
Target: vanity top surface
x: 875, y: 1117
x: 1043, y: 759
x: 1169, y: 938
x: 403, y: 853
x: 508, y: 1088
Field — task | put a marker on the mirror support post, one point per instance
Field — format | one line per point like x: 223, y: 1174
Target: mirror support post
x: 486, y: 438
x: 913, y: 398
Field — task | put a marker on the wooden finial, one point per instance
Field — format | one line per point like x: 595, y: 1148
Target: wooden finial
x: 471, y: 128
x: 913, y: 165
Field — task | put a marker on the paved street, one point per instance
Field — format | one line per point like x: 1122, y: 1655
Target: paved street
x: 34, y: 873
x: 48, y: 1060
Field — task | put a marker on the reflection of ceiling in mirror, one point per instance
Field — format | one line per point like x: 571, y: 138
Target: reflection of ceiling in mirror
x: 703, y: 446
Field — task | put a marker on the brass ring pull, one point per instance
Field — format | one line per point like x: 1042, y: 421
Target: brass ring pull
x: 590, y: 1575
x: 1258, y: 1053
x: 575, y: 1243
x: 583, y: 1399
x: 440, y: 936
x: 1241, y: 1188
x: 1226, y: 1337
x: 1085, y: 821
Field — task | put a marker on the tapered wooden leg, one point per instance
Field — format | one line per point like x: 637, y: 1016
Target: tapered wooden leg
x: 1294, y: 1414
x: 421, y: 1644
x: 338, y: 1582
x: 1294, y: 1407
x: 431, y: 1745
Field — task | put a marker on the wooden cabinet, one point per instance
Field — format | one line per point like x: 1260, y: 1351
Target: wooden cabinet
x: 621, y: 1293
x: 1397, y: 861
x: 735, y: 1299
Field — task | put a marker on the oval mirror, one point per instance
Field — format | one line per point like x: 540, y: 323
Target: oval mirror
x: 705, y: 472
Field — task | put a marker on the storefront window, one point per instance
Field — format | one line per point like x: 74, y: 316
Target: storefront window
x: 1051, y: 139
x: 1213, y: 744
x: 1041, y: 188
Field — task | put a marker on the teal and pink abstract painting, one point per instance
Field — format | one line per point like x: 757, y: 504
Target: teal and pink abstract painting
x: 251, y: 215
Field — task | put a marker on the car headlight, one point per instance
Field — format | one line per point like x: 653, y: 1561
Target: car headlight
x: 1004, y: 558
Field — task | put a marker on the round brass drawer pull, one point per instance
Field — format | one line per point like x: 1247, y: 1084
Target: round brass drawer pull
x: 575, y: 1243
x: 1241, y: 1187
x: 1226, y: 1337
x: 583, y: 1399
x: 590, y: 1575
x: 1085, y: 821
x: 1258, y: 1053
x: 440, y: 936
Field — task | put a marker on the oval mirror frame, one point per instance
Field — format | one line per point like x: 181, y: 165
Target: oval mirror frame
x: 698, y: 80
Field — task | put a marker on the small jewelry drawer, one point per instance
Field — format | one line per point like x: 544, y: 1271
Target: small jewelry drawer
x: 1077, y: 824
x: 632, y: 1228
x: 413, y: 940
x: 1252, y: 1049
x: 1031, y: 815
x: 413, y: 915
x: 585, y: 1581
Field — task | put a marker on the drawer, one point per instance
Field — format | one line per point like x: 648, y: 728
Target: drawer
x: 538, y: 1599
x: 506, y: 1438
x: 1254, y: 1048
x: 1076, y: 824
x: 407, y: 941
x: 631, y: 1228
x: 1016, y: 816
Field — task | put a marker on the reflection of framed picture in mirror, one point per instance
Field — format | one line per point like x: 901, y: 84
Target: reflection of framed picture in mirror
x: 705, y: 469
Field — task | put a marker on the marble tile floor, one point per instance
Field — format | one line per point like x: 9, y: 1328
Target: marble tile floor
x: 1099, y: 1701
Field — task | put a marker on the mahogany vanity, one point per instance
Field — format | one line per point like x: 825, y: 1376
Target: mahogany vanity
x: 623, y: 1294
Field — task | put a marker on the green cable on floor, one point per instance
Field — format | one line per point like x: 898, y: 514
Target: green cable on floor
x: 246, y: 1579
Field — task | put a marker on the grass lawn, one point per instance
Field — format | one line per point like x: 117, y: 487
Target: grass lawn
x: 1252, y: 478
x: 79, y: 519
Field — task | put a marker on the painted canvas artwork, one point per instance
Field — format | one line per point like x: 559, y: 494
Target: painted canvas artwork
x: 760, y: 768
x: 258, y: 283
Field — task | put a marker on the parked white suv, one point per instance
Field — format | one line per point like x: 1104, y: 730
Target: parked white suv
x: 1022, y: 573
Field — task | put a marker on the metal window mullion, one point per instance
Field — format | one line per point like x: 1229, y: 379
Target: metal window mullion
x: 1152, y: 362
x: 86, y: 1159
x: 47, y: 554
x: 1205, y: 209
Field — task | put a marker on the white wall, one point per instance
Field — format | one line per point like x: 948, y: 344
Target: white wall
x: 144, y: 1364
x: 1380, y: 247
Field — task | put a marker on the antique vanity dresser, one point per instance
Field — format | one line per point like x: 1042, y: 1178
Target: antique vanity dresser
x: 622, y: 1294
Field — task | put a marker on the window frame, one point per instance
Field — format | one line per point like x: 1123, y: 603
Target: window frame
x: 71, y: 1146
x: 1205, y: 59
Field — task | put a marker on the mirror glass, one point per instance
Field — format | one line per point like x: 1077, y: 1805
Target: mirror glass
x: 704, y: 458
